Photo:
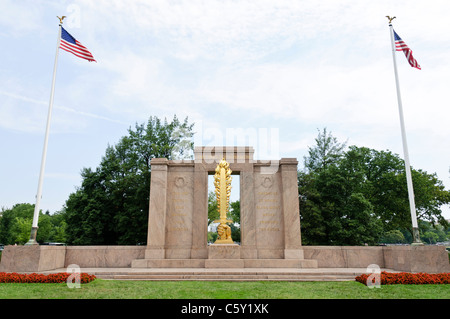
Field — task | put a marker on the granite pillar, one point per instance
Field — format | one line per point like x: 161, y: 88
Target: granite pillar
x: 156, y: 238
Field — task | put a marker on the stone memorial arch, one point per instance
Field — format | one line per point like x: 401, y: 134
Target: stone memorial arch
x: 269, y: 208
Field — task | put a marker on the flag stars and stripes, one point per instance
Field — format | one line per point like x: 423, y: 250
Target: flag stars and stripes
x: 72, y: 45
x: 400, y: 45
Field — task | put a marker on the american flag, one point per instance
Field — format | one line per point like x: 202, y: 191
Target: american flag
x: 70, y: 44
x: 400, y: 45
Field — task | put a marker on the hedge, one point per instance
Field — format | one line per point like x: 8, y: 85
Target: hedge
x: 40, y: 278
x: 407, y: 278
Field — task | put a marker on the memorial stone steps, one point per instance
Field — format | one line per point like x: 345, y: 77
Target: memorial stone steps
x: 256, y: 275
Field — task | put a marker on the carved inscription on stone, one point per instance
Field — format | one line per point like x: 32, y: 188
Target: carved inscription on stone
x: 179, y: 209
x: 269, y: 224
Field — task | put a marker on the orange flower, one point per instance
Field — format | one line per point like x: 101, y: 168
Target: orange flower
x: 408, y: 278
x: 40, y: 278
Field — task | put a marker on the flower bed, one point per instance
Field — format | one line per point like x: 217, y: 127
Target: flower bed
x: 40, y: 278
x: 407, y: 278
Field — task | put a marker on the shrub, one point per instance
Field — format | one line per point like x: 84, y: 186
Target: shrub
x: 387, y: 278
x: 40, y: 278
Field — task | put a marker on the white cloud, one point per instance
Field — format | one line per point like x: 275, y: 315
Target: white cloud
x: 293, y: 65
x: 22, y: 113
x: 19, y: 18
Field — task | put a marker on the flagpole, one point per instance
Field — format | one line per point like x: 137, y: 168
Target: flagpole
x: 412, y: 205
x: 34, y: 226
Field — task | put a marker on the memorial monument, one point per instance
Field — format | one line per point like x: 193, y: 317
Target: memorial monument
x: 270, y: 221
x: 178, y: 223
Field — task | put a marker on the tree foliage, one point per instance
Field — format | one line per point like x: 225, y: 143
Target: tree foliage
x: 111, y: 205
x: 354, y: 196
x: 327, y: 151
x: 15, y: 225
x: 393, y: 237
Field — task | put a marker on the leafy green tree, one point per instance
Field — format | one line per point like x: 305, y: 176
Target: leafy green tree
x: 432, y: 232
x: 430, y: 195
x: 15, y: 225
x: 213, y: 213
x: 429, y: 237
x: 326, y: 152
x: 58, y: 228
x: 235, y: 212
x: 385, y: 186
x: 313, y: 210
x: 235, y: 233
x: 393, y: 237
x: 14, y: 222
x: 355, y: 196
x: 235, y: 215
x: 111, y: 205
x: 21, y: 230
x: 334, y: 209
x: 348, y: 215
x: 212, y: 236
x: 6, y: 222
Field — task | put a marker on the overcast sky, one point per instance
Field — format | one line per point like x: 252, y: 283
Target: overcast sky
x: 280, y: 70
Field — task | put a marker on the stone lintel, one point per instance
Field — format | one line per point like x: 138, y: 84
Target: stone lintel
x: 232, y: 154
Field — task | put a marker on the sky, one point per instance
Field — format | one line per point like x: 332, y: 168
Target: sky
x: 268, y: 74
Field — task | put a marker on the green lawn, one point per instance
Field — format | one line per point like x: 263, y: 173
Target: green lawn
x: 105, y: 289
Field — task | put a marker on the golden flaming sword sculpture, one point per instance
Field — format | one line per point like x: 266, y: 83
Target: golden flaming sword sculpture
x: 222, y: 183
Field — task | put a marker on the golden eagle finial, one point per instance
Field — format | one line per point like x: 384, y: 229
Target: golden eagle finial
x: 61, y: 19
x: 390, y: 19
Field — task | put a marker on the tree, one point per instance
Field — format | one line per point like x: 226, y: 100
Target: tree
x: 235, y: 212
x: 357, y: 195
x: 430, y: 237
x: 385, y: 186
x: 213, y: 212
x: 15, y: 225
x: 430, y: 196
x: 334, y: 209
x: 347, y: 215
x: 393, y: 237
x: 21, y: 230
x: 111, y: 205
x: 313, y: 210
x: 432, y: 232
x: 326, y: 152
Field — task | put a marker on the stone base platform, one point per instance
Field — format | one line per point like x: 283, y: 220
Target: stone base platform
x: 227, y: 256
x: 224, y: 263
x: 430, y: 259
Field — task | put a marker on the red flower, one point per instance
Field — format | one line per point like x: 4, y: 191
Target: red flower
x: 40, y: 278
x: 408, y: 278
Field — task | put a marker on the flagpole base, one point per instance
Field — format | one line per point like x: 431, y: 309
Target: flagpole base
x: 33, y: 234
x: 416, y: 237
